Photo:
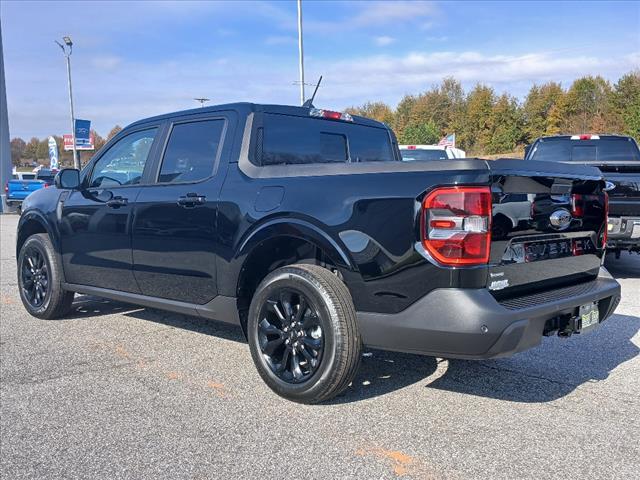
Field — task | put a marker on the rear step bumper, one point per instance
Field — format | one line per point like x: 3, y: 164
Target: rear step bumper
x: 472, y: 324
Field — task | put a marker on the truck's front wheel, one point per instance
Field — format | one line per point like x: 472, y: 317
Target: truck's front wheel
x: 303, y: 333
x: 40, y: 279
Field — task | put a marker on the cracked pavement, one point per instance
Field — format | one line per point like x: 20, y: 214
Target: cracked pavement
x: 119, y: 391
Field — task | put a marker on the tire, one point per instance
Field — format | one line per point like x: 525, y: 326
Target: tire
x: 39, y: 264
x: 501, y: 227
x: 325, y: 337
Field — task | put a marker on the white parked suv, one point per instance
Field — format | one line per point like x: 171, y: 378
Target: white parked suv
x: 411, y: 153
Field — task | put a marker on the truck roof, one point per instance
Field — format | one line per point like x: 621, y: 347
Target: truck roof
x: 595, y: 136
x: 248, y: 107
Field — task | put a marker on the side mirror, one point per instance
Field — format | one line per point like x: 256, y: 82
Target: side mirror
x: 67, y: 178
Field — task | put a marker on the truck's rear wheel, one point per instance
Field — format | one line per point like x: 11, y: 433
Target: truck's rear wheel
x: 40, y: 280
x: 303, y: 333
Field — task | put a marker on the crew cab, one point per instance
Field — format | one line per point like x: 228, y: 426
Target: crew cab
x: 618, y: 158
x: 303, y: 227
x: 23, y: 184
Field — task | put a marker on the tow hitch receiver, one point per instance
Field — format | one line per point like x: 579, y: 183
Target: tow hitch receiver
x: 587, y: 318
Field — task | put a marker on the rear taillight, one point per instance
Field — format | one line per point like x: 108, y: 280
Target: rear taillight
x: 577, y: 205
x: 6, y: 187
x: 456, y: 225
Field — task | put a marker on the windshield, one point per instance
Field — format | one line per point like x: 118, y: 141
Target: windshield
x: 413, y: 155
x: 603, y: 150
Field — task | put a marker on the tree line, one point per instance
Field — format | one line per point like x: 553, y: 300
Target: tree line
x: 489, y: 123
x: 37, y: 149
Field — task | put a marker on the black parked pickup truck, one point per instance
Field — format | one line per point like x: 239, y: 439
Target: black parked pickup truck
x: 618, y: 157
x: 304, y: 227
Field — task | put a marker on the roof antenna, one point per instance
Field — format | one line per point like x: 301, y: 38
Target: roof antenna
x: 309, y: 103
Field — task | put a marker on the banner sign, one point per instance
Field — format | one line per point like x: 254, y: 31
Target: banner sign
x: 68, y: 143
x: 83, y: 132
x: 53, y: 153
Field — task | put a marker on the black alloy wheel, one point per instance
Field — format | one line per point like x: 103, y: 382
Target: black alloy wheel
x: 35, y: 277
x: 303, y: 334
x: 40, y: 279
x: 290, y: 335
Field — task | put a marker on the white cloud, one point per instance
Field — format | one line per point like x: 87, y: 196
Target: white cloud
x: 383, y: 41
x: 106, y: 62
x: 130, y: 91
x: 280, y: 40
x: 384, y: 13
x: 123, y: 91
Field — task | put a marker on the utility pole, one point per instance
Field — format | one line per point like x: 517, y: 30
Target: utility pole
x: 5, y: 148
x: 67, y: 53
x: 300, y: 52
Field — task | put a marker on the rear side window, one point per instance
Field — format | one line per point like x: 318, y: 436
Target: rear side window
x: 191, y: 151
x: 297, y: 140
x: 603, y: 150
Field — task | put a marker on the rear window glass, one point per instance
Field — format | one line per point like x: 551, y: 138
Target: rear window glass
x: 417, y: 155
x: 191, y: 151
x: 603, y: 150
x: 297, y: 140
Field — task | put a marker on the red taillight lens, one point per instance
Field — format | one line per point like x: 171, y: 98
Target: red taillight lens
x: 6, y: 187
x: 456, y: 225
x: 577, y: 205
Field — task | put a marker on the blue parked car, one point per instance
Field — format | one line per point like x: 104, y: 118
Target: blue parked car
x: 23, y: 184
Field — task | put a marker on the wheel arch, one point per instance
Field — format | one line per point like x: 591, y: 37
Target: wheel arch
x: 282, y: 242
x: 31, y: 223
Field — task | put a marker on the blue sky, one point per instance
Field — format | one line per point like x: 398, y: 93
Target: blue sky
x: 136, y: 59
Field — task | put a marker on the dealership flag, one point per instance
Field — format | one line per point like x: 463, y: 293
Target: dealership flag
x: 53, y: 153
x: 448, y: 141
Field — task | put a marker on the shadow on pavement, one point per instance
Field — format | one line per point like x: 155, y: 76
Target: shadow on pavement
x: 542, y: 374
x: 385, y: 372
x: 548, y: 372
x: 627, y: 266
x: 87, y: 306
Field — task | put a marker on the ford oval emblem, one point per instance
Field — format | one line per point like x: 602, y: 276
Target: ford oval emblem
x: 560, y: 219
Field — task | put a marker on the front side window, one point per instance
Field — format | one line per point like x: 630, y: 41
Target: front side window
x: 124, y: 162
x: 191, y: 151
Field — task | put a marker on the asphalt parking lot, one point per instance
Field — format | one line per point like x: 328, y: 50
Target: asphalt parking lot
x: 116, y: 391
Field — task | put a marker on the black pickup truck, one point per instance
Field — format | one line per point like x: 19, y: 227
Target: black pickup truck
x: 618, y: 157
x: 304, y: 227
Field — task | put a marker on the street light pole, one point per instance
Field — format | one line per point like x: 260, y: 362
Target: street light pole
x: 300, y: 52
x: 67, y: 53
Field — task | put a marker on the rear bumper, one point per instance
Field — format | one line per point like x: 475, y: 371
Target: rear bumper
x: 623, y: 232
x: 472, y: 324
x: 14, y: 201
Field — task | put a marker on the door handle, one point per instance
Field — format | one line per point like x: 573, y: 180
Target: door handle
x: 191, y: 200
x: 117, y: 202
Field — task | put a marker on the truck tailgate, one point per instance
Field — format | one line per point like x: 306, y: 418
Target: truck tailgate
x: 20, y: 189
x: 548, y: 226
